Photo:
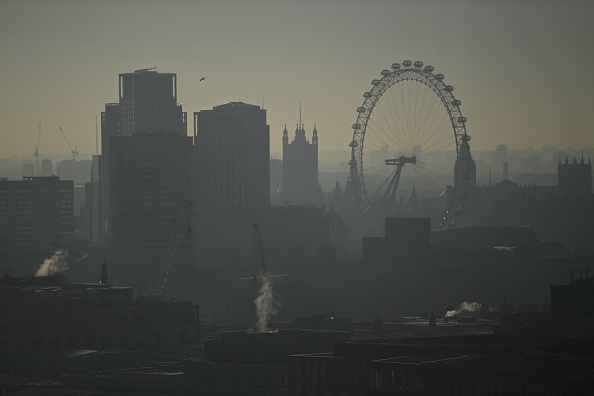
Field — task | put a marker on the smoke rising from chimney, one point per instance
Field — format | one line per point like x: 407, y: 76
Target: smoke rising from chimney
x: 466, y: 307
x: 267, y: 304
x: 56, y: 263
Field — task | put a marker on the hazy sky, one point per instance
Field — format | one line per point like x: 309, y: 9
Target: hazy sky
x: 523, y: 69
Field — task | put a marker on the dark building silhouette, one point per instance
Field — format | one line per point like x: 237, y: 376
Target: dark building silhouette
x: 36, y: 211
x: 45, y: 315
x: 254, y: 363
x: 455, y: 365
x: 577, y: 298
x: 406, y: 238
x: 300, y: 167
x: 232, y: 143
x: 294, y: 237
x: 146, y: 158
x: 150, y: 195
x: 575, y: 179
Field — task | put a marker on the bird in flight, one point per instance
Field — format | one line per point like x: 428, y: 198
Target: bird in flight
x: 203, y: 78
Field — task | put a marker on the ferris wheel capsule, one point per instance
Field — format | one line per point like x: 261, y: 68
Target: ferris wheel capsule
x: 352, y: 162
x: 367, y: 94
x: 429, y: 68
x: 418, y: 64
x: 407, y: 63
x: 439, y: 77
x: 385, y: 72
x: 356, y: 126
x: 396, y: 66
x: 375, y: 81
x: 456, y: 102
x: 462, y: 119
x: 449, y: 88
x: 361, y: 109
x: 353, y: 144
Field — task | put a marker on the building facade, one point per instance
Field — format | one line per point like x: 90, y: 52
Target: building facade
x: 232, y: 143
x: 147, y: 105
x: 146, y: 165
x: 150, y: 204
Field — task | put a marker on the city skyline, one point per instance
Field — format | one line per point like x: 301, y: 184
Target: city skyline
x: 520, y: 70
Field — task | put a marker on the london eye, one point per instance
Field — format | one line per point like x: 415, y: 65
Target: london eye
x: 406, y: 143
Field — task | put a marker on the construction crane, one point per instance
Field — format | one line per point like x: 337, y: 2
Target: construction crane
x: 168, y: 249
x: 259, y: 250
x: 74, y: 151
x: 36, y: 152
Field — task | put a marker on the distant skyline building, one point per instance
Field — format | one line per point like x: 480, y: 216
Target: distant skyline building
x: 232, y: 144
x: 47, y: 167
x: 300, y: 167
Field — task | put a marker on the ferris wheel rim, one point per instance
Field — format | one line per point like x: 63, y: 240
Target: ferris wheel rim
x: 399, y: 73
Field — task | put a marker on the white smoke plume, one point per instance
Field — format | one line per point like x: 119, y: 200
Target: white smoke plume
x: 267, y: 304
x: 466, y: 307
x: 56, y: 263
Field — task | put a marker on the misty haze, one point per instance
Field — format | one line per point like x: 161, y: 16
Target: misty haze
x: 266, y: 198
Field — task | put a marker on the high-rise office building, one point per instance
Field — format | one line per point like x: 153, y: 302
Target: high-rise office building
x: 300, y: 167
x: 146, y: 157
x: 150, y: 207
x: 232, y: 143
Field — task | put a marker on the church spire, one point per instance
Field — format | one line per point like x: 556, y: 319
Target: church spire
x: 285, y: 135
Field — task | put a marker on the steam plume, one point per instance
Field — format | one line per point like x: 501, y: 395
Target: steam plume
x: 466, y: 306
x: 267, y: 304
x: 56, y: 263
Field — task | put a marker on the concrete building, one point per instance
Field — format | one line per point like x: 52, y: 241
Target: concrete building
x: 147, y: 104
x: 232, y: 143
x: 36, y: 211
x: 300, y: 168
x: 146, y: 166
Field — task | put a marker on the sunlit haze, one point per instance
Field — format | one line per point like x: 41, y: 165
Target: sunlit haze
x: 521, y: 69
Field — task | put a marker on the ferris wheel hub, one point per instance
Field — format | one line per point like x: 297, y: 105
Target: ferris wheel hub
x: 402, y: 160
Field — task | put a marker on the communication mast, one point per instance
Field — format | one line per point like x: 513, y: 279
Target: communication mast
x: 74, y: 151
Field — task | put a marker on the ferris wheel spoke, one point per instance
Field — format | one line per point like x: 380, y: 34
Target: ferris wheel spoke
x: 433, y: 122
x: 410, y: 113
x: 441, y: 145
